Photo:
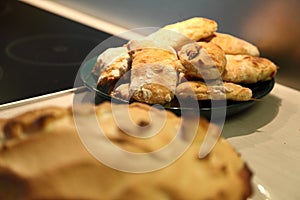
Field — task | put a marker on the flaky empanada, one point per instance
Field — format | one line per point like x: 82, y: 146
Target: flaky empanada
x: 248, y: 69
x: 194, y: 28
x: 202, y: 60
x: 111, y: 65
x: 184, y: 32
x: 234, y: 45
x: 154, y: 75
x: 201, y: 91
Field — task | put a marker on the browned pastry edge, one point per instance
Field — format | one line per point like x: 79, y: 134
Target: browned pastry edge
x: 246, y: 174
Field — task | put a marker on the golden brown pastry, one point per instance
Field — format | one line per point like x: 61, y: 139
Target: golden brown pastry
x: 111, y: 65
x: 248, y: 69
x: 194, y: 28
x: 153, y: 74
x: 202, y: 60
x: 201, y: 91
x: 48, y: 161
x: 184, y: 32
x: 234, y: 45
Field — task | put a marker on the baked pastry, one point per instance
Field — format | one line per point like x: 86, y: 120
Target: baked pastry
x: 194, y: 28
x: 234, y: 45
x: 201, y: 91
x: 154, y: 74
x: 43, y: 158
x: 248, y: 69
x: 202, y: 60
x: 111, y: 65
x: 184, y: 32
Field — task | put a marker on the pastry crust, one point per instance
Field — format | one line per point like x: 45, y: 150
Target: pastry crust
x: 248, y: 69
x: 234, y: 45
x: 50, y: 162
x: 111, y: 65
x: 201, y: 91
x: 184, y: 32
x: 202, y: 60
x: 194, y: 28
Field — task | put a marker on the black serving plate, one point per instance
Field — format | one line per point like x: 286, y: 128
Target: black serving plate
x: 259, y: 90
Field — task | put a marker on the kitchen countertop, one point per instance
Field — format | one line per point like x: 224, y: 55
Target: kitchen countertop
x: 268, y: 138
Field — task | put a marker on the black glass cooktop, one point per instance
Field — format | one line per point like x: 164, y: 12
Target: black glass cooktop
x: 40, y: 52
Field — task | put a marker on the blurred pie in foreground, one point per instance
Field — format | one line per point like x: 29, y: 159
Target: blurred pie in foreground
x: 42, y: 157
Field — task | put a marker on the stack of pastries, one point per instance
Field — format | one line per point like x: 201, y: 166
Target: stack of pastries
x: 188, y: 59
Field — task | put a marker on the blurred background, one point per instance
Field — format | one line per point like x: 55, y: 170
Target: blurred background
x: 272, y: 25
x: 41, y: 50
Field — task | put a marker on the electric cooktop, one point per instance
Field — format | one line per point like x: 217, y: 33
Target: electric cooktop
x: 40, y: 52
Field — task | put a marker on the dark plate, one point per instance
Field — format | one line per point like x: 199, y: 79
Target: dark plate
x: 259, y: 90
